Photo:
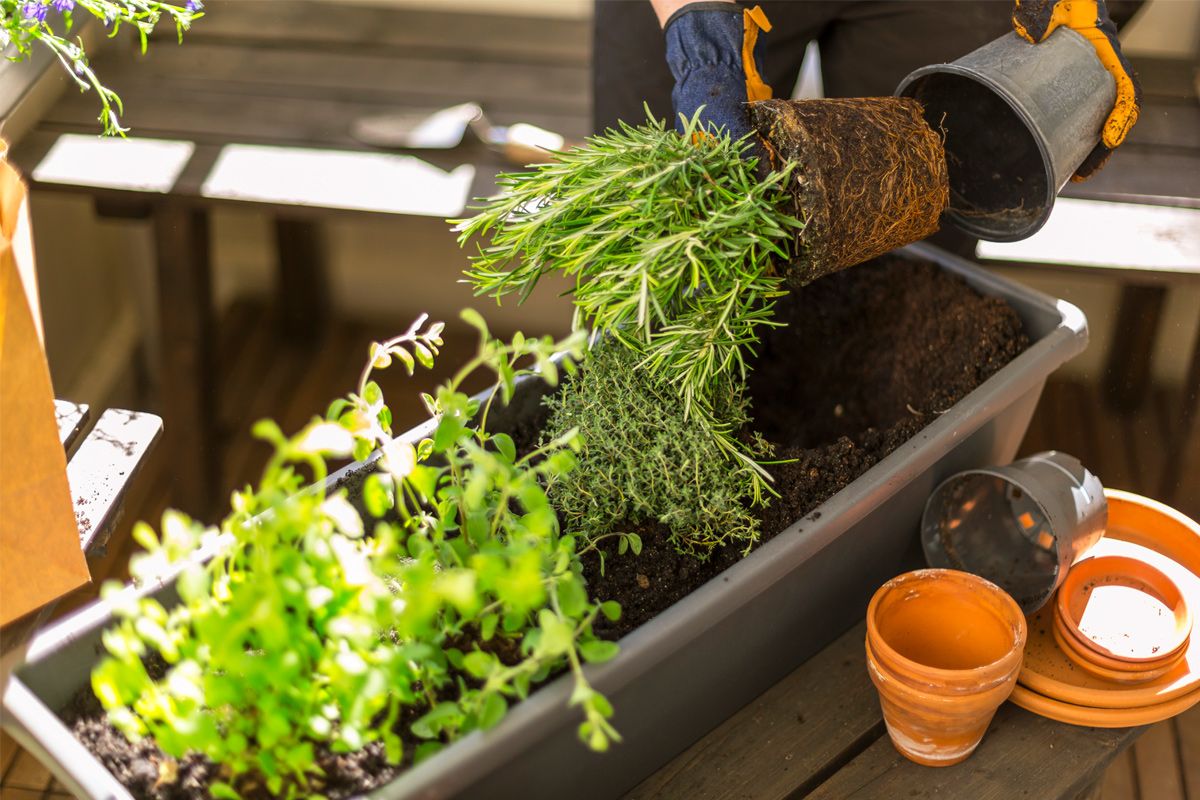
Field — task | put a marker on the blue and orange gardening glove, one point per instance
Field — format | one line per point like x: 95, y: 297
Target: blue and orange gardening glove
x: 1034, y: 20
x: 715, y: 53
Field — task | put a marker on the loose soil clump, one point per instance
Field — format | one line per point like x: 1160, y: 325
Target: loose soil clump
x: 868, y: 358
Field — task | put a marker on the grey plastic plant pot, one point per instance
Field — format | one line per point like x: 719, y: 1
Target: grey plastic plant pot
x: 1018, y: 120
x: 1021, y: 526
x: 698, y: 662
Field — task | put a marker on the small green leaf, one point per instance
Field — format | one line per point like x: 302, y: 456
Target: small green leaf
x: 611, y: 609
x: 478, y: 664
x: 372, y: 394
x: 487, y: 627
x: 393, y: 747
x: 598, y: 651
x: 223, y: 791
x: 426, y: 750
x: 377, y: 497
x: 505, y: 446
x: 336, y: 409
x: 473, y: 318
x: 572, y: 597
x: 494, y: 709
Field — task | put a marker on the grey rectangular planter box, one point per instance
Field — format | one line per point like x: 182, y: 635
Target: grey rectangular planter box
x: 693, y: 666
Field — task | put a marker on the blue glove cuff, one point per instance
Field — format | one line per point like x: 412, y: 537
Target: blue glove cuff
x: 704, y: 53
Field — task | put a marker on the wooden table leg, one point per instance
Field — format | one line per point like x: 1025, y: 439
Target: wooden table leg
x: 303, y: 285
x: 189, y: 381
x: 1173, y: 468
x: 1127, y: 374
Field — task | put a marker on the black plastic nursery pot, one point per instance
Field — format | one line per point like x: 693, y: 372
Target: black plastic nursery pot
x: 694, y: 664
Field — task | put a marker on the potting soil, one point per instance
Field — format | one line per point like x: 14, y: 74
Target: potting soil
x: 869, y: 357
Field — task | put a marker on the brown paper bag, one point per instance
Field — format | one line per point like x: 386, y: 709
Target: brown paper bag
x: 40, y: 555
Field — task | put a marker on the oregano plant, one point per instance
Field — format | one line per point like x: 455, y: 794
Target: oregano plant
x: 419, y: 617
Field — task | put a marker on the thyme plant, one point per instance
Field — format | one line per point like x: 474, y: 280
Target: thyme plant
x: 319, y: 624
x: 673, y: 241
x: 50, y: 22
x: 680, y: 480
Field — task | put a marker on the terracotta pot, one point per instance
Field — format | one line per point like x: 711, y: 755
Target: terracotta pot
x: 943, y: 648
x: 1131, y: 636
x: 1092, y: 664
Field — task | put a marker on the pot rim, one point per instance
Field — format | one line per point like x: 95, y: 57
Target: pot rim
x: 1002, y: 664
x: 1131, y: 572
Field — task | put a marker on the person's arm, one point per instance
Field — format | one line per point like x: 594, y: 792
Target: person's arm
x: 1034, y: 20
x: 665, y: 8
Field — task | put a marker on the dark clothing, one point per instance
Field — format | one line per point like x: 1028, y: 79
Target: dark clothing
x: 866, y: 48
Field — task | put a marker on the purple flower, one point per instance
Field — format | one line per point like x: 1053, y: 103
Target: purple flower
x: 63, y: 5
x: 34, y: 10
x: 194, y: 5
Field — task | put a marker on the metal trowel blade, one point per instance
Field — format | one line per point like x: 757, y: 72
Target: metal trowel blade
x: 422, y: 130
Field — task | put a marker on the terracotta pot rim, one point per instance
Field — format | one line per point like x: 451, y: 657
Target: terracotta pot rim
x: 1068, y: 642
x: 1137, y: 574
x: 1104, y: 673
x: 1003, y: 664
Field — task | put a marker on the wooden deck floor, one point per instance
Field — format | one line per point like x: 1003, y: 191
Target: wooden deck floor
x: 291, y: 382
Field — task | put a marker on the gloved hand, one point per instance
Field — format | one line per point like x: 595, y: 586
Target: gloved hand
x: 715, y: 53
x: 1034, y: 20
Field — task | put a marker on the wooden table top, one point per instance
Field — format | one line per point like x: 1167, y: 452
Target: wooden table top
x: 819, y: 734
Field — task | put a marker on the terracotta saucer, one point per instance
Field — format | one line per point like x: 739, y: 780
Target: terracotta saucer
x: 1125, y: 611
x: 1170, y: 542
x: 1101, y: 717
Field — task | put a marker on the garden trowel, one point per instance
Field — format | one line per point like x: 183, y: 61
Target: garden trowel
x: 519, y: 144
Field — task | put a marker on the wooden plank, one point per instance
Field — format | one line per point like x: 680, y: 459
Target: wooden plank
x: 1166, y: 77
x: 235, y: 68
x: 787, y: 740
x: 1187, y: 729
x: 1022, y: 755
x: 1168, y: 124
x: 1143, y: 435
x: 1157, y: 759
x: 206, y: 116
x: 189, y: 377
x: 71, y: 418
x: 1112, y: 460
x: 1127, y: 371
x: 1070, y: 432
x: 25, y: 773
x: 302, y: 280
x: 1143, y: 175
x: 8, y: 752
x: 1180, y: 478
x: 316, y: 26
x: 101, y: 471
x: 1120, y: 779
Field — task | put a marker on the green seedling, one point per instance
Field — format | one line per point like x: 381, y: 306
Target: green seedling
x: 319, y: 624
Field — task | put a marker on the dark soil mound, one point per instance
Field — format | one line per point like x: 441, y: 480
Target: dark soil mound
x: 869, y: 357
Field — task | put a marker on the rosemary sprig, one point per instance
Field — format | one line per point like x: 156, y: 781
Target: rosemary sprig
x: 672, y: 240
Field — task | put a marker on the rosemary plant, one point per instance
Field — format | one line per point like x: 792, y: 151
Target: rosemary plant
x: 50, y: 22
x: 673, y: 241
